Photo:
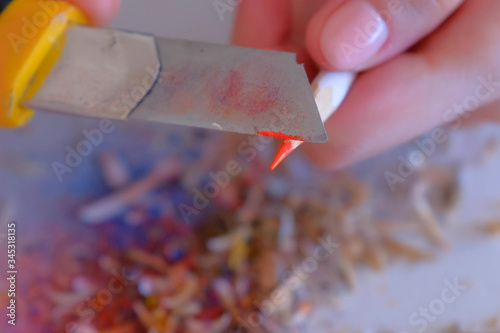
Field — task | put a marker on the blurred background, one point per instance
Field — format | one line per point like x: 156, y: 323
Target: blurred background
x: 419, y: 254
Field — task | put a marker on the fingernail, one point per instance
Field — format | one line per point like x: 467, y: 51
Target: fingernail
x: 353, y: 34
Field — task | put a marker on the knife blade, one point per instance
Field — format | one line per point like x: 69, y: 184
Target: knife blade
x: 125, y: 75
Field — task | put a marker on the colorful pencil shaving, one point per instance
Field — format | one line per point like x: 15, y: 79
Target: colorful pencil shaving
x: 141, y: 268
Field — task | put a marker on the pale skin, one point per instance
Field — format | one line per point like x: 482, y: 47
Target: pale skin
x: 418, y: 60
x: 99, y: 12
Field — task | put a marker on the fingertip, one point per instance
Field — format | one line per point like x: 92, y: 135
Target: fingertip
x: 99, y: 12
x: 345, y: 37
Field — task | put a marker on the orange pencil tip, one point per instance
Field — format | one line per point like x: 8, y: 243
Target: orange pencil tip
x: 285, y: 149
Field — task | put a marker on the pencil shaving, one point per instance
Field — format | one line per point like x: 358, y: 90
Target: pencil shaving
x: 116, y: 203
x: 347, y: 269
x: 374, y: 256
x: 427, y: 217
x: 148, y: 260
x: 126, y: 328
x: 492, y: 228
x: 115, y: 172
x: 400, y: 249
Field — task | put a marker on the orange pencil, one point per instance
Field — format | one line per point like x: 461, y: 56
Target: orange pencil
x: 330, y: 90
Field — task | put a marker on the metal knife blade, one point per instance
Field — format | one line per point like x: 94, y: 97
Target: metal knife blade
x: 123, y: 75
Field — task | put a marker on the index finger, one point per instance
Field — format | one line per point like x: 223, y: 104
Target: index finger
x: 357, y: 34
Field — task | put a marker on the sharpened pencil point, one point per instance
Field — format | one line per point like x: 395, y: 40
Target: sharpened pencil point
x: 285, y: 149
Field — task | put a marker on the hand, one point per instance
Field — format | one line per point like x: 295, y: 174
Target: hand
x: 423, y: 63
x: 99, y: 12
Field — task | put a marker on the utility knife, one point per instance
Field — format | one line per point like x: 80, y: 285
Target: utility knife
x: 52, y: 61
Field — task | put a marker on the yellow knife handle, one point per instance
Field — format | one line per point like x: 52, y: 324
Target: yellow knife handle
x: 32, y: 33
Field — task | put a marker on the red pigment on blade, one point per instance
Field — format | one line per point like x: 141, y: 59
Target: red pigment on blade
x: 234, y: 84
x: 285, y: 149
x: 230, y: 94
x: 279, y: 135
